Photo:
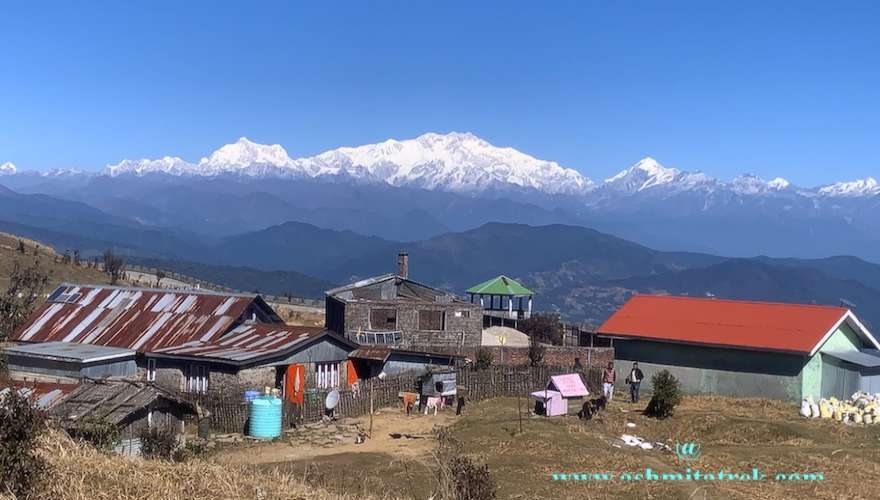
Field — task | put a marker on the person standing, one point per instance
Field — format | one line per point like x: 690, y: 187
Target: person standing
x: 634, y: 380
x: 608, y: 378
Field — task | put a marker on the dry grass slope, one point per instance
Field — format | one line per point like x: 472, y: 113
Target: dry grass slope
x: 57, y: 271
x: 79, y: 472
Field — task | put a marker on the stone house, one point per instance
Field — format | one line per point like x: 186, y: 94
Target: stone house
x: 392, y: 309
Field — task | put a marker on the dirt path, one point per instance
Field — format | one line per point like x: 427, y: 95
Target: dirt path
x: 419, y: 428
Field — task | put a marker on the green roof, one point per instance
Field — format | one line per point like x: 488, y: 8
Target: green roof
x: 502, y: 285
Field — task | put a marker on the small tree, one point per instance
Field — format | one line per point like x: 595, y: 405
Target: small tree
x: 26, y: 285
x: 158, y: 443
x: 460, y: 477
x: 536, y: 352
x: 545, y: 327
x: 21, y: 249
x: 667, y: 395
x: 97, y: 432
x: 484, y: 359
x: 114, y: 266
x: 21, y: 424
x: 160, y: 275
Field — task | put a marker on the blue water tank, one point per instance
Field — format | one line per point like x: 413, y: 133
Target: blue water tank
x: 251, y: 395
x: 264, y: 420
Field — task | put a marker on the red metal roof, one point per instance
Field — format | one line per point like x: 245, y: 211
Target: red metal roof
x: 773, y: 326
x: 247, y: 343
x: 135, y: 318
x: 44, y: 394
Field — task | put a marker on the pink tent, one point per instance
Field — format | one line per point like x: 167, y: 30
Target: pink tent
x: 569, y: 385
x: 559, y: 390
x: 553, y: 402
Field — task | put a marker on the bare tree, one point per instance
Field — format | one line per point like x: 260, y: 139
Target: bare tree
x: 114, y: 266
x: 26, y: 286
x: 160, y: 275
x: 76, y: 257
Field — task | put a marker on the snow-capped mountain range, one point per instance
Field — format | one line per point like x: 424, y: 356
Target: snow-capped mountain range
x: 463, y: 163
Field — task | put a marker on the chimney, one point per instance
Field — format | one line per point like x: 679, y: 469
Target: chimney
x: 403, y: 265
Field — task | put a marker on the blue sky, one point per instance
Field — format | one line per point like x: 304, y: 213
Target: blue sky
x: 771, y: 88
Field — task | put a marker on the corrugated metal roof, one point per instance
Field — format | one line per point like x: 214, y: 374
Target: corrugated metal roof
x: 774, y: 326
x: 70, y: 351
x: 381, y: 353
x: 135, y: 318
x: 392, y: 288
x: 44, y: 394
x: 247, y: 343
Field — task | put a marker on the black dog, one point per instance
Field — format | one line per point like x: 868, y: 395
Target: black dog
x: 591, y: 407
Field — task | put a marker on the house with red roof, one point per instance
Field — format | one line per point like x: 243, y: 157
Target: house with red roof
x: 742, y: 348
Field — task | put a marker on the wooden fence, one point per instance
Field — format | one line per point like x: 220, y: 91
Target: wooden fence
x: 230, y: 414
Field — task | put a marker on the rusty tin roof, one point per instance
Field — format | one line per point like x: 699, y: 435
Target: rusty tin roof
x: 140, y: 319
x: 251, y: 342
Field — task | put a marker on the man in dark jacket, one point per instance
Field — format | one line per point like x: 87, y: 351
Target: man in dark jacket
x: 634, y: 380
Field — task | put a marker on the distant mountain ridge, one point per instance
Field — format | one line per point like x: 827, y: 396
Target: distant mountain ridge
x: 457, y: 162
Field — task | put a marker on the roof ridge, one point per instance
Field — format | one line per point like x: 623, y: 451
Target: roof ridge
x: 738, y: 301
x: 198, y: 291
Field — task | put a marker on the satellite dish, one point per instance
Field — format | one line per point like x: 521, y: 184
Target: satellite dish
x: 332, y: 399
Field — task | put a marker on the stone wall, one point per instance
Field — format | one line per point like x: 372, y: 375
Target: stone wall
x: 464, y: 322
x: 553, y: 356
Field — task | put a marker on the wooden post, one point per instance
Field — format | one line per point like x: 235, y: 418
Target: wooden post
x: 371, y: 407
x: 519, y: 409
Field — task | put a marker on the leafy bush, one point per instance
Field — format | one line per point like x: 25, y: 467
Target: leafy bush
x: 543, y: 327
x: 158, y: 443
x: 20, y: 426
x: 485, y: 358
x: 536, y: 352
x: 189, y: 451
x: 667, y: 395
x: 97, y: 432
x: 460, y: 477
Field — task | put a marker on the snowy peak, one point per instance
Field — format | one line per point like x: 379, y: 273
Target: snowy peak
x: 7, y: 168
x: 167, y: 164
x: 452, y: 162
x: 243, y: 153
x: 862, y: 187
x: 752, y: 184
x: 645, y: 174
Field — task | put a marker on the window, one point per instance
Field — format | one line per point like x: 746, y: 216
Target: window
x: 383, y: 319
x: 326, y: 375
x: 151, y: 370
x: 432, y: 320
x: 197, y: 378
x: 462, y: 314
x: 384, y: 338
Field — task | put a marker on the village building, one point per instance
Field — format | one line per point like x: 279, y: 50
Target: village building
x: 392, y: 309
x: 504, y: 301
x: 192, y: 341
x: 740, y: 348
x: 370, y: 361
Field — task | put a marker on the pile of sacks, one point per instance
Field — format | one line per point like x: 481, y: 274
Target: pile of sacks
x: 861, y: 408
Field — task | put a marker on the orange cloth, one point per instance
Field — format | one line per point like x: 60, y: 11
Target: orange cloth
x: 351, y: 373
x: 294, y: 383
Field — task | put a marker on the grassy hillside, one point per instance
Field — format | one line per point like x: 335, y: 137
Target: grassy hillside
x: 48, y: 259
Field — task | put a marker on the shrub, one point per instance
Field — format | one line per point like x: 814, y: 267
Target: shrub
x: 158, y: 443
x: 20, y: 426
x: 536, y: 352
x: 97, y: 432
x: 485, y: 358
x: 460, y: 477
x: 189, y: 451
x: 544, y: 327
x: 667, y: 395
